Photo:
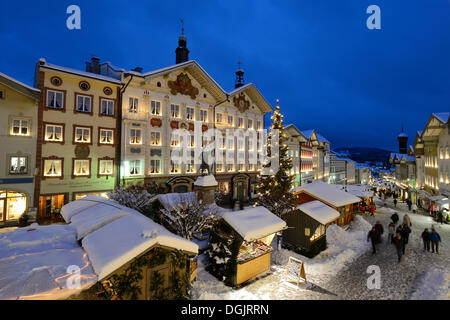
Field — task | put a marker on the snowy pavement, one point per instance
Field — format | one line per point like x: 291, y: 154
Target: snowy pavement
x: 340, y: 272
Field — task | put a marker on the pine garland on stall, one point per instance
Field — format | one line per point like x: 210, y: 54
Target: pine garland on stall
x: 274, y: 189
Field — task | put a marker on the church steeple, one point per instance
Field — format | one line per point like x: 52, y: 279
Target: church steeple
x: 402, y: 142
x: 239, y: 77
x: 182, y: 52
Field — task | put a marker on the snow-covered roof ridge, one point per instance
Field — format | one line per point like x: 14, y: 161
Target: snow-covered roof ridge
x: 319, y: 211
x: 254, y: 223
x: 124, y: 239
x: 328, y: 193
x: 79, y: 72
x: 19, y: 82
x: 206, y: 181
x: 442, y: 116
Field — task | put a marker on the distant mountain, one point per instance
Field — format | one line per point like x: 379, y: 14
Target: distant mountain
x: 365, y: 154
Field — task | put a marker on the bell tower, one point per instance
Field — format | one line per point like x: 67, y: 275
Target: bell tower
x: 182, y: 52
x: 402, y: 142
x: 239, y: 82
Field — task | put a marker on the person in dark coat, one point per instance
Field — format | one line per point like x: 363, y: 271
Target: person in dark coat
x: 440, y: 217
x: 372, y: 235
x: 395, y: 218
x: 435, y: 238
x: 395, y: 203
x: 409, y: 204
x: 426, y: 240
x: 398, y: 241
x: 379, y: 229
x: 405, y: 236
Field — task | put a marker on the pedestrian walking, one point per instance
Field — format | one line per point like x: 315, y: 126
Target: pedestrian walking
x: 372, y: 236
x: 414, y: 208
x: 405, y: 231
x: 407, y: 220
x: 391, y: 234
x: 435, y: 238
x: 395, y: 218
x: 409, y: 203
x: 399, y: 246
x: 440, y: 217
x: 395, y: 203
x: 426, y: 240
x: 380, y: 230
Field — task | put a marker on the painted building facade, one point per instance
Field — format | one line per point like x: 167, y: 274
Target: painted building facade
x: 18, y: 128
x: 77, y: 134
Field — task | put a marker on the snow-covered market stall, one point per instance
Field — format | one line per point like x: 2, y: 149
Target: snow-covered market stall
x: 307, y: 227
x: 132, y: 256
x: 240, y: 244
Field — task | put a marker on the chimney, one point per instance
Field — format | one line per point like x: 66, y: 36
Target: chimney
x: 95, y: 65
x: 138, y: 69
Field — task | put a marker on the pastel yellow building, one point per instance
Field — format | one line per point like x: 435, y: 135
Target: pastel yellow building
x: 18, y: 127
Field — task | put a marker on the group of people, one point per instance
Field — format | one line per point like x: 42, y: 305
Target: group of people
x: 399, y: 236
x: 431, y: 237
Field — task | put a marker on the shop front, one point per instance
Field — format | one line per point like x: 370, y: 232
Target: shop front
x: 241, y: 244
x: 12, y: 205
x: 50, y: 204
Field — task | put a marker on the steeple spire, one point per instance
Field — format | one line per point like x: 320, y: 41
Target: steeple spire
x: 239, y: 76
x: 182, y: 52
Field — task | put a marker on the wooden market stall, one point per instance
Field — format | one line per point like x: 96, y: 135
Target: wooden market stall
x: 307, y: 226
x: 241, y: 244
x: 340, y: 200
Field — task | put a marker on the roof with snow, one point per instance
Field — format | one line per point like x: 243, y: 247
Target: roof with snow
x: 327, y: 193
x: 319, y: 211
x: 308, y: 133
x: 442, y: 116
x: 206, y: 181
x: 254, y: 223
x: 19, y: 86
x: 358, y: 190
x: 44, y: 63
x: 124, y: 239
x: 401, y: 156
x: 112, y: 234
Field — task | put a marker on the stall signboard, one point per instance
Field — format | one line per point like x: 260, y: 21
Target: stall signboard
x: 296, y: 271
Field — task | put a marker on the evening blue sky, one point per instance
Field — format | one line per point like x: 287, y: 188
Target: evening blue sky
x: 354, y: 85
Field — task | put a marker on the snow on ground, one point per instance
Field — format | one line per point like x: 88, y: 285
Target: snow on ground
x: 34, y: 262
x: 340, y: 272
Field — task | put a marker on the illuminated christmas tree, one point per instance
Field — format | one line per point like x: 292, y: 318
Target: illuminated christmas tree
x: 274, y: 189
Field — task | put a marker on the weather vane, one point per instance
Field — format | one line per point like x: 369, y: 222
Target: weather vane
x: 239, y: 65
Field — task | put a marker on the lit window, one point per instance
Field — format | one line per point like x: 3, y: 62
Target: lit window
x: 258, y: 125
x: 155, y: 166
x: 55, y: 99
x: 81, y: 167
x: 18, y: 165
x: 107, y: 107
x: 223, y: 186
x: 53, y: 133
x: 241, y: 167
x: 251, y: 167
x: 155, y: 138
x: 230, y: 167
x: 135, y: 136
x: 204, y: 115
x: 135, y: 167
x: 83, y: 103
x: 53, y: 168
x: 174, y: 167
x: 219, y: 167
x: 156, y: 108
x: 191, y: 141
x: 240, y: 123
x: 106, y: 136
x: 190, y: 113
x: 230, y: 120
x: 133, y: 105
x: 219, y: 118
x: 106, y: 167
x: 230, y: 143
x: 174, y: 140
x: 175, y: 110
x: 20, y: 127
x: 82, y: 135
x: 240, y: 144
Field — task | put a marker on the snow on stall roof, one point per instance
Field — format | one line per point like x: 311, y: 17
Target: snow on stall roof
x: 34, y: 262
x: 358, y: 190
x: 206, y: 181
x: 94, y: 218
x: 328, y: 193
x: 319, y: 211
x: 254, y: 223
x: 122, y: 240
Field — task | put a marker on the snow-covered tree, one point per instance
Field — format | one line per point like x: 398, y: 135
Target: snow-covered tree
x: 135, y: 196
x: 189, y: 217
x: 274, y: 189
